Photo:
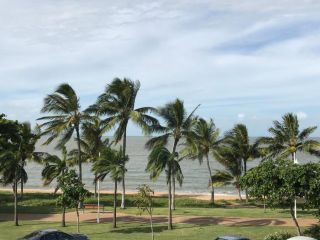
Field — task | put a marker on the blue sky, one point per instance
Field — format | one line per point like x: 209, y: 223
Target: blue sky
x: 243, y: 61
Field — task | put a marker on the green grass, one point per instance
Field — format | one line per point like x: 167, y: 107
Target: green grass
x: 141, y: 231
x: 46, y: 203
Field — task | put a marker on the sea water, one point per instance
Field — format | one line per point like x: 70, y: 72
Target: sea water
x: 196, y: 176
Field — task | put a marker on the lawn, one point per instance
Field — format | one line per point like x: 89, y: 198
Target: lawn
x: 141, y: 231
x: 46, y: 203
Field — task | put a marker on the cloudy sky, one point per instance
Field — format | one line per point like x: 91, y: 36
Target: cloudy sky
x: 243, y: 61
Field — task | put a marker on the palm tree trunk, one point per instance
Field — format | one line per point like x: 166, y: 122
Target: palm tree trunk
x: 151, y: 225
x: 123, y: 200
x: 173, y: 193
x: 115, y: 204
x: 79, y: 153
x: 210, y: 179
x: 294, y: 219
x: 21, y: 189
x: 169, y: 201
x: 95, y: 185
x: 63, y: 222
x: 245, y: 171
x: 78, y: 225
x: 239, y: 192
x: 173, y: 180
x: 15, y: 193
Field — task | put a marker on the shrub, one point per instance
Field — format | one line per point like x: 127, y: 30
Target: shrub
x: 278, y: 236
x: 313, y: 231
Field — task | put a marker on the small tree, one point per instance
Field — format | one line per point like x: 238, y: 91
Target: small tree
x: 73, y: 193
x: 144, y: 203
x: 278, y: 181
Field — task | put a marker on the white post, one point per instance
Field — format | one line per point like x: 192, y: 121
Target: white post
x: 98, y: 214
x: 295, y: 160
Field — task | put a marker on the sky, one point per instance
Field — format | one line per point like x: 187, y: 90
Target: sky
x: 244, y: 61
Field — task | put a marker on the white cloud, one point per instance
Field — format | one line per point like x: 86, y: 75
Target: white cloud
x: 241, y: 116
x: 230, y: 56
x: 302, y: 115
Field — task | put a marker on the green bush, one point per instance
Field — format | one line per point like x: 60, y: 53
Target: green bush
x: 278, y: 236
x: 313, y: 231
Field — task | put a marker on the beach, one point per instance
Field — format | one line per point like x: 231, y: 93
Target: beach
x: 205, y: 197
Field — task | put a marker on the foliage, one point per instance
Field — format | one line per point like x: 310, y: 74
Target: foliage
x: 230, y: 159
x: 238, y: 140
x: 65, y: 118
x: 112, y: 163
x: 287, y: 138
x: 144, y: 199
x: 160, y: 160
x: 117, y: 103
x: 278, y: 236
x: 73, y: 191
x: 313, y: 231
x: 202, y: 141
x: 145, y: 203
x: 54, y: 167
x: 280, y: 181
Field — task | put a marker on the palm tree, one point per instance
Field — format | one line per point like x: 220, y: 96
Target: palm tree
x: 203, y: 141
x: 118, y: 104
x: 287, y: 138
x: 162, y: 160
x: 27, y: 150
x: 91, y: 143
x: 55, y: 167
x: 238, y: 140
x: 231, y: 160
x: 65, y: 118
x: 11, y: 168
x: 177, y: 126
x: 111, y: 163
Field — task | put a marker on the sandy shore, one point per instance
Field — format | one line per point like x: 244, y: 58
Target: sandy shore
x: 204, y: 196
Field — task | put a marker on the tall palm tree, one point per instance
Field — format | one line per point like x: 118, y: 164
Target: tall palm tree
x: 238, y: 140
x: 204, y: 141
x: 65, y: 118
x: 28, y: 139
x: 117, y: 103
x: 287, y: 138
x: 92, y: 143
x: 231, y: 160
x: 54, y: 167
x: 162, y: 160
x: 177, y: 126
x: 111, y: 163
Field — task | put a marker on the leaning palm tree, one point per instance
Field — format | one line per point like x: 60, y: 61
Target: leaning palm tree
x: 162, y: 160
x: 231, y: 160
x: 287, y: 139
x: 111, y: 163
x: 65, y: 118
x: 238, y: 140
x: 203, y: 141
x: 177, y: 126
x: 117, y: 103
x: 54, y: 167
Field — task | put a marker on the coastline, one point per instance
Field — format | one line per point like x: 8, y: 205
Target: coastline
x: 203, y: 196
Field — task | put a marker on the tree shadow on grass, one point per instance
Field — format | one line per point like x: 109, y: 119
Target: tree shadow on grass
x: 146, y: 229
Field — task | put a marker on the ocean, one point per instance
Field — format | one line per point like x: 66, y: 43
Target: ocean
x: 195, y: 175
